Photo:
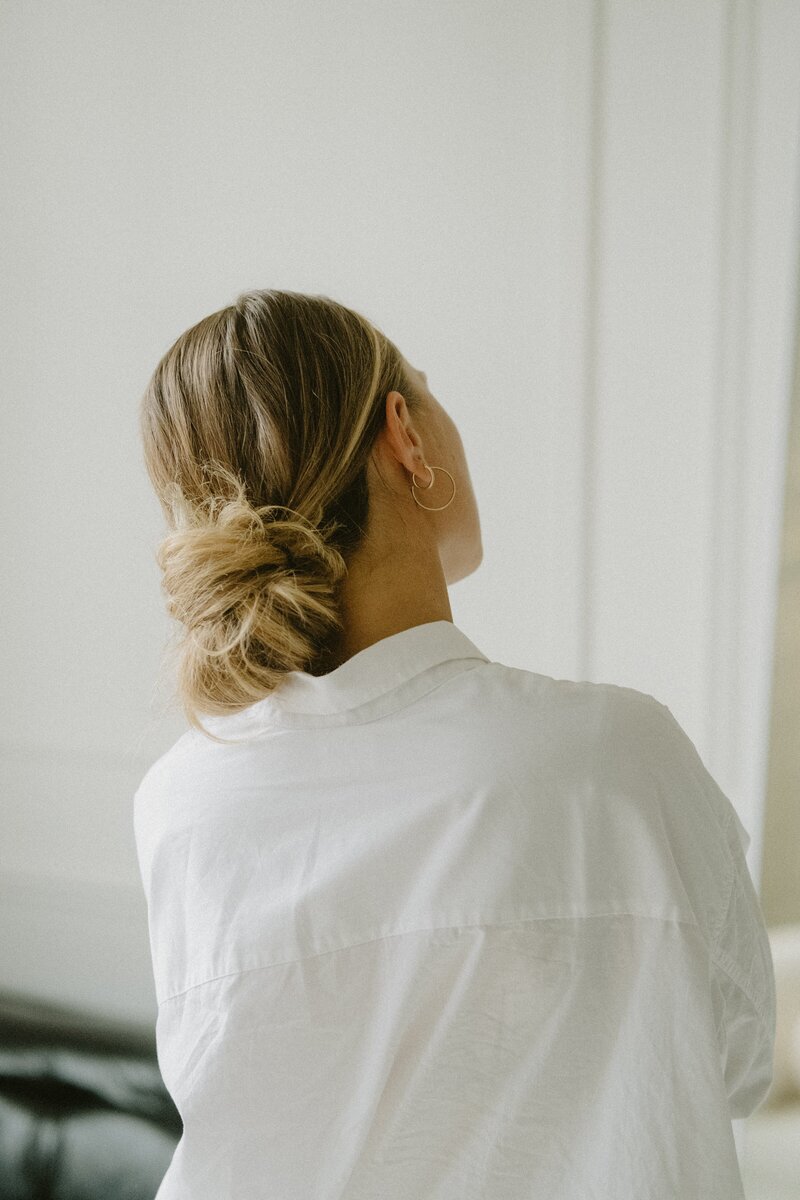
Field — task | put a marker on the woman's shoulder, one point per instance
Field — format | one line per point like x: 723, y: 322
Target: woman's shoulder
x: 581, y: 703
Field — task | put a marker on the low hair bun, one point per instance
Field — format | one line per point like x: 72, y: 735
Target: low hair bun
x: 255, y: 588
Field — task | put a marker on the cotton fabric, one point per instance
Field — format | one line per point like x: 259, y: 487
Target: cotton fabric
x: 438, y: 928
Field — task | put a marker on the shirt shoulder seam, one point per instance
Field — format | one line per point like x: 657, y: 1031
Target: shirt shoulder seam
x: 730, y: 968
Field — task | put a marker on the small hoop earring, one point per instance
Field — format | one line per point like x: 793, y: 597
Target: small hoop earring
x: 428, y: 486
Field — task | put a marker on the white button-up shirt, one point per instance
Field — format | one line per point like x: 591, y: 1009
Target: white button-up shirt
x: 437, y: 928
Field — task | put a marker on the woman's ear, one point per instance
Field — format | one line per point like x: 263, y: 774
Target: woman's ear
x: 403, y: 438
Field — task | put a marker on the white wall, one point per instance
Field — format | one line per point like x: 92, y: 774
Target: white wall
x: 580, y: 219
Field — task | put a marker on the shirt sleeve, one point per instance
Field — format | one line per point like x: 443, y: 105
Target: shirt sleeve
x: 743, y: 983
x: 741, y: 967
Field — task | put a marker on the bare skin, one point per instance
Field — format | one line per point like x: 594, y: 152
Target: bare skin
x: 400, y: 575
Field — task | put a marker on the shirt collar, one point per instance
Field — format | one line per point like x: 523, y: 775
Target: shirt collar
x: 376, y: 670
x: 378, y: 680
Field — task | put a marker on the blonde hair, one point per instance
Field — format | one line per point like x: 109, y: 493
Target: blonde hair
x: 257, y: 426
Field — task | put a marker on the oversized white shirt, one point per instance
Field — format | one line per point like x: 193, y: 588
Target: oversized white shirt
x: 437, y: 928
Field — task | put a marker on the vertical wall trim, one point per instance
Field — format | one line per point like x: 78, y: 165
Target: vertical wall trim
x: 594, y: 201
x: 726, y: 562
x: 722, y: 741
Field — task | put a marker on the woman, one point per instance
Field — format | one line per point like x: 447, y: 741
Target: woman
x: 424, y: 926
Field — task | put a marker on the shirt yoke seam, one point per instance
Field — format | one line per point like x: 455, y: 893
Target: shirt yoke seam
x: 431, y: 929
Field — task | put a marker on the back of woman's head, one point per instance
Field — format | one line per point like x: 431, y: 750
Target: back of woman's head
x: 257, y: 426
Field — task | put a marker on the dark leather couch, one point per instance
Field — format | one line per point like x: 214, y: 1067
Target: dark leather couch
x: 84, y: 1114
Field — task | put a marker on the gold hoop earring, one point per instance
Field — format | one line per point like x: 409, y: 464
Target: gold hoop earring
x: 428, y: 486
